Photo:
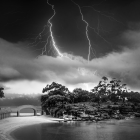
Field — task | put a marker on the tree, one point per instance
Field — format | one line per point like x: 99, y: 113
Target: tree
x: 56, y: 95
x: 117, y: 90
x: 80, y: 95
x: 1, y: 92
x: 114, y: 90
x: 101, y: 89
x: 55, y: 86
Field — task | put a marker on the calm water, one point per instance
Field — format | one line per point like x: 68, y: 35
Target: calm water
x: 118, y: 130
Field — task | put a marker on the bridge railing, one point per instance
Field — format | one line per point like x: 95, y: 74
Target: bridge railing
x: 5, y: 113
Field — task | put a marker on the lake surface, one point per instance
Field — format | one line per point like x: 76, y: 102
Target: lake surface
x: 111, y: 130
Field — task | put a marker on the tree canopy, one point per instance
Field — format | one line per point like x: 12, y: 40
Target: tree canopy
x: 56, y: 95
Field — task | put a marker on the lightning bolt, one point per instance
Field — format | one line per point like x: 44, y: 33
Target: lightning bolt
x: 103, y: 14
x: 87, y: 25
x: 98, y: 26
x: 40, y: 35
x: 52, y: 41
x: 51, y: 33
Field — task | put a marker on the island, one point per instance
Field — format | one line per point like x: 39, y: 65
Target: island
x: 110, y: 99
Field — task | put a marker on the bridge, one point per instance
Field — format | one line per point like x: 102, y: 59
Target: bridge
x: 35, y: 108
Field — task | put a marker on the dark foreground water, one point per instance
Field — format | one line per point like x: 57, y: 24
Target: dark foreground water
x: 113, y: 130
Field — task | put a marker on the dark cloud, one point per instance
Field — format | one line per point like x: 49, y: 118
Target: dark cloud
x: 17, y: 64
x: 125, y: 64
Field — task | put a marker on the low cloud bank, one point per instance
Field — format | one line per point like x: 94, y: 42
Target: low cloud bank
x: 18, y: 100
x: 16, y: 64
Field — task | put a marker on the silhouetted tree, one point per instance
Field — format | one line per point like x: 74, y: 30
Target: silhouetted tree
x: 1, y: 92
x: 112, y: 90
x: 56, y: 95
x: 101, y: 89
x: 55, y: 86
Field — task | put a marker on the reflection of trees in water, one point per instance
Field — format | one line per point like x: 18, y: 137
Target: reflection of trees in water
x: 82, y: 131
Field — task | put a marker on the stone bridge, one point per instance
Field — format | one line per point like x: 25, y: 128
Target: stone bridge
x: 35, y: 108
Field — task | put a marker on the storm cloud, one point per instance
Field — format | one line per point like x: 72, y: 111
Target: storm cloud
x: 18, y: 64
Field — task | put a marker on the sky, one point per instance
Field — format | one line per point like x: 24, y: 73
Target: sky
x: 113, y: 31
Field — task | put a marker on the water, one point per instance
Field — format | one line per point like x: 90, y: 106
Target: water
x: 112, y: 130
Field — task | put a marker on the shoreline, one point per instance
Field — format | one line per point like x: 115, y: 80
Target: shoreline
x: 9, y: 125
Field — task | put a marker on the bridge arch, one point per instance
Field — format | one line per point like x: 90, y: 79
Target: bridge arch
x: 26, y: 106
